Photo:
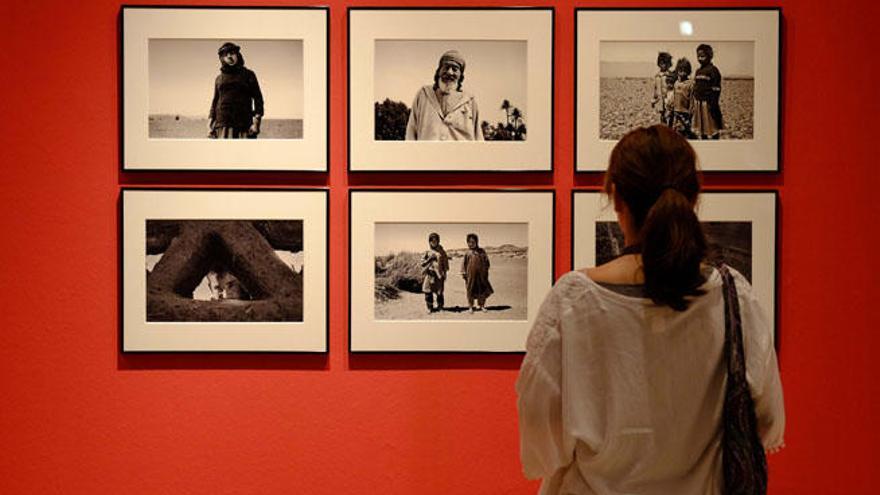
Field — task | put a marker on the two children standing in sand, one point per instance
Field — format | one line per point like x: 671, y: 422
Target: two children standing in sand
x: 474, y: 270
x: 690, y: 107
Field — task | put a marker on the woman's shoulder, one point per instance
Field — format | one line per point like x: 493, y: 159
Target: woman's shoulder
x: 572, y: 285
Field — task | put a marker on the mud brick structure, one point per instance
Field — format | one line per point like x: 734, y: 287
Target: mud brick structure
x: 244, y: 248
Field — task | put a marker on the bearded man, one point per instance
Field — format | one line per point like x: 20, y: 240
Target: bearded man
x: 443, y: 112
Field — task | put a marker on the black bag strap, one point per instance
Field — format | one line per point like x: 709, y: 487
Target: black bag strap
x: 744, y: 463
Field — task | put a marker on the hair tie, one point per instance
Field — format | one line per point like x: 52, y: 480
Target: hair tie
x: 664, y: 187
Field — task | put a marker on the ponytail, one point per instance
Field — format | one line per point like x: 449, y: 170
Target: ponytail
x: 673, y: 246
x: 653, y: 170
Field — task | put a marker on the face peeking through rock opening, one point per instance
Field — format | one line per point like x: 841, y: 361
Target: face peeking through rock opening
x: 225, y: 286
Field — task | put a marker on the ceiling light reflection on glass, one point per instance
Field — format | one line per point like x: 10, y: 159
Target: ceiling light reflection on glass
x: 686, y: 28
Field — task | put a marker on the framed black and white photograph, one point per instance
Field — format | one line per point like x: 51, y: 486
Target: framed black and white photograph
x: 224, y: 88
x: 712, y: 75
x: 224, y: 270
x: 739, y: 225
x: 448, y: 270
x: 450, y: 89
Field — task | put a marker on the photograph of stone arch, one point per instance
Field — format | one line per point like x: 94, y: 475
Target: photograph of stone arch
x: 224, y: 270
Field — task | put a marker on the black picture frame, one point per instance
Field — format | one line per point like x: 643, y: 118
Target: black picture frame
x: 713, y: 160
x: 411, y: 165
x: 728, y: 204
x: 359, y: 305
x: 316, y: 154
x: 315, y: 320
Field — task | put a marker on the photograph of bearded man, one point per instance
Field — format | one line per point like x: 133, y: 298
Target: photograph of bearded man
x: 444, y: 111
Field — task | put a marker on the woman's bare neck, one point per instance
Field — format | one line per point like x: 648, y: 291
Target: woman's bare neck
x: 626, y: 269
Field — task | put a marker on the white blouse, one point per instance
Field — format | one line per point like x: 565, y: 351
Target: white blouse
x: 620, y: 396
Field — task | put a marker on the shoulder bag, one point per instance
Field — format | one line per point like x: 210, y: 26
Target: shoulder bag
x: 743, y: 461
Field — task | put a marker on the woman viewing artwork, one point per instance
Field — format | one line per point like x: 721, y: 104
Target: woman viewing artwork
x: 237, y: 106
x: 623, y: 387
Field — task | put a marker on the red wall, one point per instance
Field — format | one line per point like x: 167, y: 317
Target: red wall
x: 77, y: 416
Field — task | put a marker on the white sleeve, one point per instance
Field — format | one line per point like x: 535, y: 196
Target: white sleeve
x: 762, y: 369
x: 411, y: 125
x: 543, y: 449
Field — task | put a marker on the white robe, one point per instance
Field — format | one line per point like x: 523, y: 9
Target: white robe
x: 427, y: 122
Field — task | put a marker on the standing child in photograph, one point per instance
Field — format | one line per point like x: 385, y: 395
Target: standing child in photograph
x: 435, y: 265
x: 475, y: 270
x: 658, y: 101
x: 237, y: 106
x: 668, y: 101
x: 707, y: 121
x: 682, y: 99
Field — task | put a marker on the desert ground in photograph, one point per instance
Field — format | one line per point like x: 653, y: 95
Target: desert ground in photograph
x: 625, y: 103
x: 181, y: 127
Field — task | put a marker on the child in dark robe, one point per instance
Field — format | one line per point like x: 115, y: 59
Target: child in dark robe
x: 707, y: 121
x: 475, y: 270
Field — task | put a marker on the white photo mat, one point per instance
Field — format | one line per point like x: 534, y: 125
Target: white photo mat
x: 370, y: 207
x: 140, y: 205
x: 757, y: 207
x: 535, y: 26
x: 758, y: 26
x: 142, y: 153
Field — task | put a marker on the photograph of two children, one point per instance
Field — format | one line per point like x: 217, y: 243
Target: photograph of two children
x: 473, y: 271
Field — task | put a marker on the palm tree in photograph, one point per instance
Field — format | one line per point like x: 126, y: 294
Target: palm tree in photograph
x: 505, y: 105
x: 519, y: 127
x: 513, y: 129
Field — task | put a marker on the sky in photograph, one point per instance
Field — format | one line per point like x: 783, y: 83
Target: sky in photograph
x: 413, y: 237
x: 639, y: 58
x: 494, y: 71
x: 182, y: 74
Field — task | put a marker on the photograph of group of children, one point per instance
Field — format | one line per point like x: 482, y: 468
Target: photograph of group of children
x: 451, y: 271
x: 702, y: 90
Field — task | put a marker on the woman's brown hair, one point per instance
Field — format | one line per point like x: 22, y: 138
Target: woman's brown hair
x: 654, y: 172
